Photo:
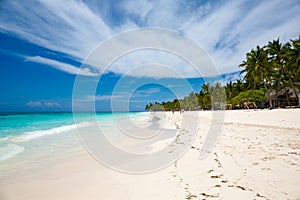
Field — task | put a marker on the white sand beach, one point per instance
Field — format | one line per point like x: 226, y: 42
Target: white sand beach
x: 257, y: 156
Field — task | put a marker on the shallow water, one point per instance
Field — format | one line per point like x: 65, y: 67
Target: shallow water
x: 17, y: 128
x: 29, y: 140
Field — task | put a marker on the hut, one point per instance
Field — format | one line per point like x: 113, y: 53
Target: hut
x: 287, y: 97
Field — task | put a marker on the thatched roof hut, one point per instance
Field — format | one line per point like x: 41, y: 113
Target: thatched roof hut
x: 286, y: 97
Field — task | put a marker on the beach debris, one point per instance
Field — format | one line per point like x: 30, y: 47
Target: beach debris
x: 191, y: 196
x: 209, y: 195
x: 224, y: 181
x: 266, y: 158
x: 216, y: 176
x: 295, y: 153
x: 240, y: 187
x: 261, y: 196
x: 192, y: 147
x: 217, y: 160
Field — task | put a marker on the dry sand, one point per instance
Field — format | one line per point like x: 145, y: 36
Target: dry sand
x: 256, y: 157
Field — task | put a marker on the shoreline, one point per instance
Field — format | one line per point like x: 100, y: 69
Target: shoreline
x: 256, y: 156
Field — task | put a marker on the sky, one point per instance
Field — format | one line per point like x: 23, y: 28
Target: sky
x: 44, y: 43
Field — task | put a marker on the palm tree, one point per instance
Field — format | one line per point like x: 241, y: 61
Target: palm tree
x: 238, y: 86
x: 176, y: 104
x: 277, y: 53
x: 204, y: 98
x: 229, y: 90
x: 296, y: 50
x: 293, y: 65
x: 250, y: 76
x: 218, y: 96
x: 258, y: 69
x: 294, y: 55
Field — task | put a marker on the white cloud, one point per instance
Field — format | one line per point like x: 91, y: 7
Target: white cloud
x: 102, y: 97
x: 230, y: 77
x: 155, y: 64
x: 138, y: 8
x: 235, y: 28
x: 145, y: 92
x: 42, y: 104
x: 121, y: 95
x: 172, y: 86
x: 62, y: 66
x: 225, y: 29
x: 70, y: 27
x: 51, y: 104
x: 166, y: 54
x: 34, y: 104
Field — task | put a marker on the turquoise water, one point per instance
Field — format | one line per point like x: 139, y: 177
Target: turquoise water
x: 19, y: 129
x: 14, y: 124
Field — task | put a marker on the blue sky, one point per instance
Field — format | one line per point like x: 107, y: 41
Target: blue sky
x: 43, y: 44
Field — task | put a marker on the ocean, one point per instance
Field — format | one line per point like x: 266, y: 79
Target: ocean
x: 21, y: 132
x: 32, y: 141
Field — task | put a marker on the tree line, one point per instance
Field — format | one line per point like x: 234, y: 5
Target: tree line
x: 270, y: 68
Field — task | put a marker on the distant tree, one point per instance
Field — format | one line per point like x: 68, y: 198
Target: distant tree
x: 218, y: 96
x: 204, y: 98
x: 156, y: 107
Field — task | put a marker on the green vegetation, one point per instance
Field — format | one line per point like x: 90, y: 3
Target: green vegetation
x: 209, y: 97
x: 268, y: 69
x: 256, y: 96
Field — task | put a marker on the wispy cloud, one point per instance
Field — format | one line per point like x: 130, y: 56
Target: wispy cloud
x: 43, y: 104
x: 145, y: 92
x: 102, y: 97
x: 229, y: 77
x: 73, y: 29
x: 173, y: 86
x: 231, y: 30
x: 225, y: 29
x: 62, y: 66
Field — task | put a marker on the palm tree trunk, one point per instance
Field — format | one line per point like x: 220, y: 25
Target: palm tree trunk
x: 278, y: 88
x: 287, y: 97
x: 294, y: 89
x: 276, y: 97
x: 262, y: 103
x: 269, y: 95
x: 266, y: 88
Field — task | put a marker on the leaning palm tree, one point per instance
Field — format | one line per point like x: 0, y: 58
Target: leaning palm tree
x: 258, y: 69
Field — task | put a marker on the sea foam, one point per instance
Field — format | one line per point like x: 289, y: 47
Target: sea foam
x: 9, y: 150
x: 26, y: 136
